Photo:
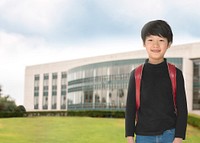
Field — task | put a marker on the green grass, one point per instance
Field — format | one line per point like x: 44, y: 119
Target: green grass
x: 69, y: 130
x: 61, y: 130
x: 193, y: 135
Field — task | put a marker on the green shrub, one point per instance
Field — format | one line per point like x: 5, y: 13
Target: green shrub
x: 11, y: 114
x: 97, y: 113
x: 46, y: 113
x: 194, y: 120
x: 80, y: 113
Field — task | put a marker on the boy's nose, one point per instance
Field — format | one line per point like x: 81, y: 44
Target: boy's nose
x: 155, y: 44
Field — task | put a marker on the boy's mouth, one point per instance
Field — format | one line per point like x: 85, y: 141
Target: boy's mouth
x: 155, y: 51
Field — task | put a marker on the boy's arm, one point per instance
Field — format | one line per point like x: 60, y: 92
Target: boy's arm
x: 130, y: 108
x: 181, y: 104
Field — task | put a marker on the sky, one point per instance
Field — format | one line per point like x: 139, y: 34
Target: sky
x: 35, y: 32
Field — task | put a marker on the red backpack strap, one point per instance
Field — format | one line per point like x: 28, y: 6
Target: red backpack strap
x: 138, y: 77
x: 172, y: 75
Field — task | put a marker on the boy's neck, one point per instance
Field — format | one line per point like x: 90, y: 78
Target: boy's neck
x: 154, y: 62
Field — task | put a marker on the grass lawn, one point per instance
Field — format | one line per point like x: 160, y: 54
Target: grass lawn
x: 69, y: 130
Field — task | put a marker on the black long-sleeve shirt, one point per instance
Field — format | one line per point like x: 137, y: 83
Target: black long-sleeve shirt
x: 156, y: 113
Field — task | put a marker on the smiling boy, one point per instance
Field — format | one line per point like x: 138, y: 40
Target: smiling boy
x: 158, y: 120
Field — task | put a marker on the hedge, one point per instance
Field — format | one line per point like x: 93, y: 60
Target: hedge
x: 11, y: 114
x: 194, y: 120
x: 98, y: 113
x: 46, y: 113
x: 81, y: 113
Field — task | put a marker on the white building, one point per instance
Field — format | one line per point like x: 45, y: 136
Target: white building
x: 101, y: 82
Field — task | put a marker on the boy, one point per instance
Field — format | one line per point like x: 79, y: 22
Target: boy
x: 158, y: 121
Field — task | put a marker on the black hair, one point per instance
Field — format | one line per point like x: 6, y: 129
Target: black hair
x: 158, y: 28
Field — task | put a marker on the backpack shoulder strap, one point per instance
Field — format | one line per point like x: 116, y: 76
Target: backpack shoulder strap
x: 138, y: 77
x: 172, y: 75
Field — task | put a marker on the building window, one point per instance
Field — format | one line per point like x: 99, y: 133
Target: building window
x: 104, y: 84
x: 54, y: 76
x: 45, y: 91
x: 36, y: 91
x: 46, y: 76
x: 196, y: 84
x: 54, y: 102
x: 54, y: 91
x: 36, y: 102
x: 64, y: 75
x: 45, y: 102
x: 63, y: 101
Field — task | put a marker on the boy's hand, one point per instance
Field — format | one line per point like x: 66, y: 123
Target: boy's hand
x: 130, y: 139
x: 178, y: 140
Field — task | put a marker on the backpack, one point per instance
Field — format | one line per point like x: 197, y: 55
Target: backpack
x: 138, y: 77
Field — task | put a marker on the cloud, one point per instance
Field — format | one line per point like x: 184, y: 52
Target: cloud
x: 15, y: 55
x: 129, y: 9
x: 69, y: 20
x: 186, y: 6
x: 35, y: 16
x: 19, y: 51
x: 44, y: 31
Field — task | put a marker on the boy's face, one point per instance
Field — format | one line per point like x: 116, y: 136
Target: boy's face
x: 156, y: 47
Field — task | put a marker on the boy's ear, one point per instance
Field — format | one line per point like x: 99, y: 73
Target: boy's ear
x: 169, y: 44
x: 144, y: 44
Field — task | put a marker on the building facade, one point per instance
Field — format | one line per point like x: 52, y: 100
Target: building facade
x: 101, y: 82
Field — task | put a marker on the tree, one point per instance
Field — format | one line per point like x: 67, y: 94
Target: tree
x: 0, y: 90
x: 8, y: 108
x: 20, y: 109
x: 7, y: 104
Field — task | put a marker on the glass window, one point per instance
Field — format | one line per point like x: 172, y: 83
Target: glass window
x: 54, y: 76
x: 102, y: 85
x: 196, y: 84
x: 46, y: 76
x: 36, y: 91
x: 53, y: 102
x: 45, y: 91
x: 36, y: 102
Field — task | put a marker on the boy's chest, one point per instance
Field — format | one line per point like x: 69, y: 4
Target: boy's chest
x: 156, y: 85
